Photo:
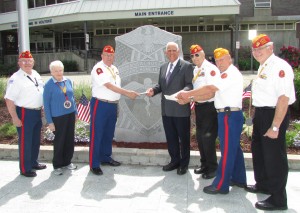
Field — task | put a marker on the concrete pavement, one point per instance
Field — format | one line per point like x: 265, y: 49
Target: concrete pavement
x: 124, y: 189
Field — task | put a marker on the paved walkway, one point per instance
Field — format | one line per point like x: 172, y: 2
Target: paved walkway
x: 124, y: 189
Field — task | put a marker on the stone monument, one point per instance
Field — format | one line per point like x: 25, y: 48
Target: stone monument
x: 139, y: 55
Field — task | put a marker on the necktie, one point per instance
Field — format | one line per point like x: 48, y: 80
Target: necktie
x: 169, y: 73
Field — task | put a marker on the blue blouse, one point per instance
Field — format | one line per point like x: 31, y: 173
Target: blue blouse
x: 54, y: 98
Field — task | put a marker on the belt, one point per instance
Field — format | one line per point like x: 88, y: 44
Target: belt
x: 38, y: 108
x: 265, y: 108
x: 107, y: 101
x: 203, y: 103
x: 232, y: 109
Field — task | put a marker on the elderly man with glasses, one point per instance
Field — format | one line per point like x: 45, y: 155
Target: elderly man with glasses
x: 24, y: 100
x: 205, y: 73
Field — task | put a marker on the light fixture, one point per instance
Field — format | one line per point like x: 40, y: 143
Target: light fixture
x: 112, y: 25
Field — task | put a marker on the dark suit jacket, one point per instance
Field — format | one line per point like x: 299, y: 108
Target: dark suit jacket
x: 180, y: 79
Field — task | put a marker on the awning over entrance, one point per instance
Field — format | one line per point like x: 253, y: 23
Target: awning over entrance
x: 90, y: 10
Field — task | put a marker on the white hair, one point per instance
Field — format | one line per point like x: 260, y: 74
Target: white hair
x: 171, y: 43
x: 56, y: 63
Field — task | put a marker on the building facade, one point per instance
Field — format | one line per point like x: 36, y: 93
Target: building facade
x: 85, y: 26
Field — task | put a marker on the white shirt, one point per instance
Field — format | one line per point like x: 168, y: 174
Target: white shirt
x: 102, y: 74
x: 230, y: 85
x: 25, y: 92
x: 274, y: 78
x: 207, y: 74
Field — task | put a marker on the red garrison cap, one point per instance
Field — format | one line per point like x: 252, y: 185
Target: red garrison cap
x: 260, y: 40
x: 108, y: 49
x: 25, y: 54
x: 195, y: 48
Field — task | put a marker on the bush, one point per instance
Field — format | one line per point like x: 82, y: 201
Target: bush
x: 291, y: 55
x: 2, y: 88
x: 82, y: 88
x: 8, y: 69
x: 8, y: 130
x: 70, y: 66
x: 244, y: 61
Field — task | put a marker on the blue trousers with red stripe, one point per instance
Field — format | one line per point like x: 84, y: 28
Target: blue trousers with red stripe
x: 29, y: 137
x: 231, y: 165
x: 102, y: 129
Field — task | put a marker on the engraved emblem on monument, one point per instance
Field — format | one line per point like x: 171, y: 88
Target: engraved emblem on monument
x: 139, y: 55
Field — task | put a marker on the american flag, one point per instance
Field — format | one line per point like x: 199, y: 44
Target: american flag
x: 192, y: 105
x: 247, y: 91
x: 84, y: 109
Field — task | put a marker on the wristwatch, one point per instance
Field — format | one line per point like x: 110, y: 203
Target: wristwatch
x: 192, y: 99
x: 275, y: 128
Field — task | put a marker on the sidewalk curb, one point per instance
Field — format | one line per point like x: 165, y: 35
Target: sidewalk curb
x: 130, y: 156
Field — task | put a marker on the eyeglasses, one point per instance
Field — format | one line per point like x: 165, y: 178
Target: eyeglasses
x: 195, y: 55
x: 26, y: 62
x: 258, y: 49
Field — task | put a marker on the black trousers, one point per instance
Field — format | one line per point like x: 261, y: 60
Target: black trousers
x: 177, y: 130
x: 63, y: 144
x: 206, y: 134
x: 270, y: 162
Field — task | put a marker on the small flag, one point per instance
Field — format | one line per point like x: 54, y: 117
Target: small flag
x: 84, y: 109
x: 192, y: 105
x: 247, y: 91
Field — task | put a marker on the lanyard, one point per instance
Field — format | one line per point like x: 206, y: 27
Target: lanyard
x: 112, y: 72
x: 35, y: 83
x: 196, y: 76
x: 63, y: 89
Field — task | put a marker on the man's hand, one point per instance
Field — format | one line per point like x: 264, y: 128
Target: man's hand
x: 17, y: 122
x: 150, y: 92
x: 132, y: 94
x: 183, y: 96
x: 182, y: 102
x: 51, y: 127
x: 271, y: 134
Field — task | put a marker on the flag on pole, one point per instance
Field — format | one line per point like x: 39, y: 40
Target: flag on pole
x: 84, y: 109
x: 247, y: 91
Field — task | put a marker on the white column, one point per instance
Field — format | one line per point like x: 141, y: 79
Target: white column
x: 23, y: 27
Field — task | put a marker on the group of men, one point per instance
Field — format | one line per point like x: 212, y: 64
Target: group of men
x: 216, y: 92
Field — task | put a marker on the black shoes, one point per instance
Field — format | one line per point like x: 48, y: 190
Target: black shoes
x: 39, y: 167
x: 29, y: 174
x: 255, y: 189
x: 265, y: 205
x: 199, y: 170
x: 213, y: 190
x: 112, y: 163
x: 209, y: 175
x: 96, y: 171
x: 170, y: 167
x: 182, y: 170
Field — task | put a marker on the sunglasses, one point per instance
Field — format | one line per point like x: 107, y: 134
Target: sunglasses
x: 195, y: 55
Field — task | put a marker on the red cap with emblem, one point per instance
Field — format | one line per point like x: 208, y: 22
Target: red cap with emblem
x: 260, y: 40
x: 195, y: 48
x: 108, y: 49
x: 25, y: 54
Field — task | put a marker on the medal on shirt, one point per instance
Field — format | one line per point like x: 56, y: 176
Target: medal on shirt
x: 67, y: 103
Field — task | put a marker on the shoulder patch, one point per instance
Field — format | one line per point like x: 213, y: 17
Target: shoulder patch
x: 11, y: 81
x: 224, y: 75
x: 99, y: 71
x: 212, y: 73
x: 281, y: 74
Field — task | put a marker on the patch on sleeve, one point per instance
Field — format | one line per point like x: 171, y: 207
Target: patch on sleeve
x: 224, y: 75
x: 212, y: 73
x: 11, y: 81
x: 99, y: 71
x: 281, y: 74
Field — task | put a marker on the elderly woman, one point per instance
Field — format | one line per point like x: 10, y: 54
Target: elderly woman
x: 61, y: 113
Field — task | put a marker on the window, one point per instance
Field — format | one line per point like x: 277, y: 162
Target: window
x: 218, y: 27
x: 262, y: 3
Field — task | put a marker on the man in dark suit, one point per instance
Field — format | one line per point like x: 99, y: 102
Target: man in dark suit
x: 174, y: 76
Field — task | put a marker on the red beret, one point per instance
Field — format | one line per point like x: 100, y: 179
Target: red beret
x: 108, y: 49
x: 220, y: 52
x: 195, y: 48
x: 260, y: 40
x: 25, y: 54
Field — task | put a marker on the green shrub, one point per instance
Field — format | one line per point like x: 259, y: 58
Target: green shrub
x: 82, y: 88
x: 244, y: 60
x: 8, y: 69
x: 8, y: 130
x: 70, y: 66
x: 297, y: 82
x: 2, y: 88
